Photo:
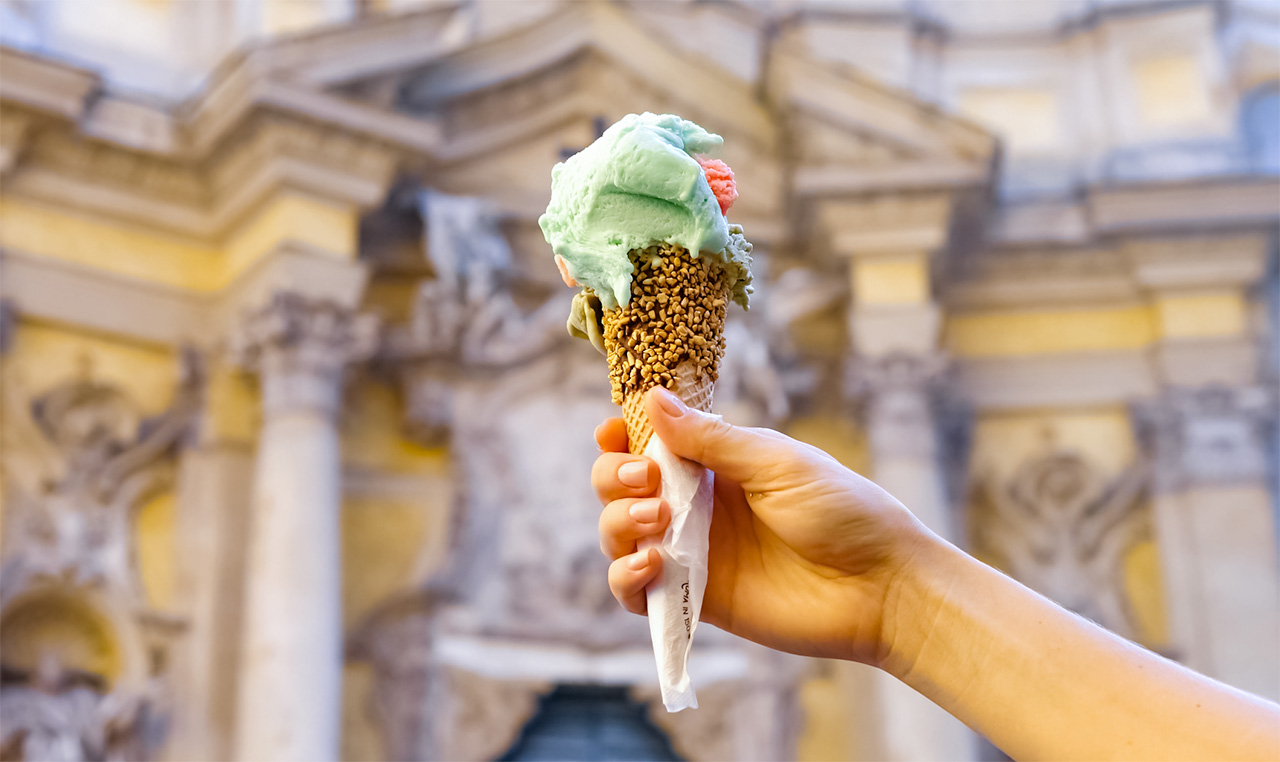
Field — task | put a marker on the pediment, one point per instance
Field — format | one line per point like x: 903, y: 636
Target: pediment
x: 528, y: 71
x: 851, y: 133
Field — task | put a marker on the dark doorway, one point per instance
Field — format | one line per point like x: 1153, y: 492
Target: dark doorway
x: 590, y: 723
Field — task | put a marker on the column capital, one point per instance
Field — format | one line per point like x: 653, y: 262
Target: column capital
x: 1207, y: 435
x: 300, y: 347
x: 896, y: 395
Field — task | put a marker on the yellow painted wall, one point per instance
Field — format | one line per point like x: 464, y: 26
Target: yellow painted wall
x: 1202, y: 315
x: 155, y: 543
x: 839, y: 436
x: 1002, y: 442
x: 62, y: 624
x: 151, y: 255
x: 383, y: 542
x: 318, y: 224
x: 394, y: 526
x: 1144, y: 584
x: 110, y: 246
x: 360, y: 736
x: 44, y: 355
x: 891, y: 280
x: 1000, y: 333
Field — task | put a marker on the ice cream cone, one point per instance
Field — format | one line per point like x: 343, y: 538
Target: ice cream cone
x: 670, y: 334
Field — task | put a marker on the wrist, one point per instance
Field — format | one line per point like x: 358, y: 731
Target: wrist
x: 914, y: 601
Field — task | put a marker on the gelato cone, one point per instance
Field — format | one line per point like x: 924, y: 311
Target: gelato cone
x: 637, y: 221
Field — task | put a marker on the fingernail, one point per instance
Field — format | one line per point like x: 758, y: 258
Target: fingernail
x: 670, y: 403
x: 638, y: 560
x: 645, y: 511
x: 634, y: 474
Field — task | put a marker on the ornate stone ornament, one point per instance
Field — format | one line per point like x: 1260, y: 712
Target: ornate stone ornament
x: 82, y: 652
x: 300, y: 347
x: 78, y: 459
x: 62, y: 716
x: 1059, y: 527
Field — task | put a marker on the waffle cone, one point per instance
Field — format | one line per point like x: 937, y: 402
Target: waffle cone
x: 671, y: 334
x: 696, y: 394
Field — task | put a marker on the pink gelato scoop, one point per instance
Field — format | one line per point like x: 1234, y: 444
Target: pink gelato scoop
x: 720, y: 178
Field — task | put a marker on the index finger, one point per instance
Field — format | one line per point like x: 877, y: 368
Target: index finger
x: 612, y: 435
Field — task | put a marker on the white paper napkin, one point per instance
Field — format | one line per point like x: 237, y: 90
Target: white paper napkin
x: 675, y: 598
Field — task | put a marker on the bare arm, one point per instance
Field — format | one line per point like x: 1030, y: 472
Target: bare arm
x: 1043, y: 683
x: 808, y: 557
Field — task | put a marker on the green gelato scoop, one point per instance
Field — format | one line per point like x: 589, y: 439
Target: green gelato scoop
x: 637, y: 185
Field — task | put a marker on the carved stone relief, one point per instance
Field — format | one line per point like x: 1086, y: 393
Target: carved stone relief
x: 78, y: 460
x: 58, y: 715
x: 1059, y: 527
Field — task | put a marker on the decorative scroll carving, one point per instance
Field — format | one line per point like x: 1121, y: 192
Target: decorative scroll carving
x: 1211, y: 435
x: 78, y: 460
x: 300, y: 347
x: 1059, y: 528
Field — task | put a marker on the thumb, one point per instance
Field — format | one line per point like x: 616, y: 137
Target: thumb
x: 733, y: 451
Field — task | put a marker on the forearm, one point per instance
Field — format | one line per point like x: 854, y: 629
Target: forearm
x: 1043, y: 683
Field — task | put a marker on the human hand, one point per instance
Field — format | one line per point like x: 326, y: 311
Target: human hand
x: 804, y: 553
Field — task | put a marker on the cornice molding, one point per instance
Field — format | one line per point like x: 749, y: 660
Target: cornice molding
x: 50, y: 87
x: 205, y: 198
x: 1184, y: 206
x: 195, y: 168
x: 69, y: 294
x: 1120, y: 270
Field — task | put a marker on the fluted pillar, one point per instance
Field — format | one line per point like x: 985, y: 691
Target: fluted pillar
x: 1215, y: 529
x: 290, y: 692
x: 896, y: 395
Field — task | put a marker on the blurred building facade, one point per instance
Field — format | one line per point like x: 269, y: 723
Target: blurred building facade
x: 296, y: 450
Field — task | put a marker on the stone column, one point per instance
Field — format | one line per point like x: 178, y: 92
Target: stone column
x: 290, y: 690
x: 1215, y: 529
x: 896, y: 393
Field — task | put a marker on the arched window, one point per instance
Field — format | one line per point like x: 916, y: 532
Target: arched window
x: 1260, y: 125
x: 590, y: 723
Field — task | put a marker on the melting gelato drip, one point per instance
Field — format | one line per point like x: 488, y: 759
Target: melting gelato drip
x: 639, y: 184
